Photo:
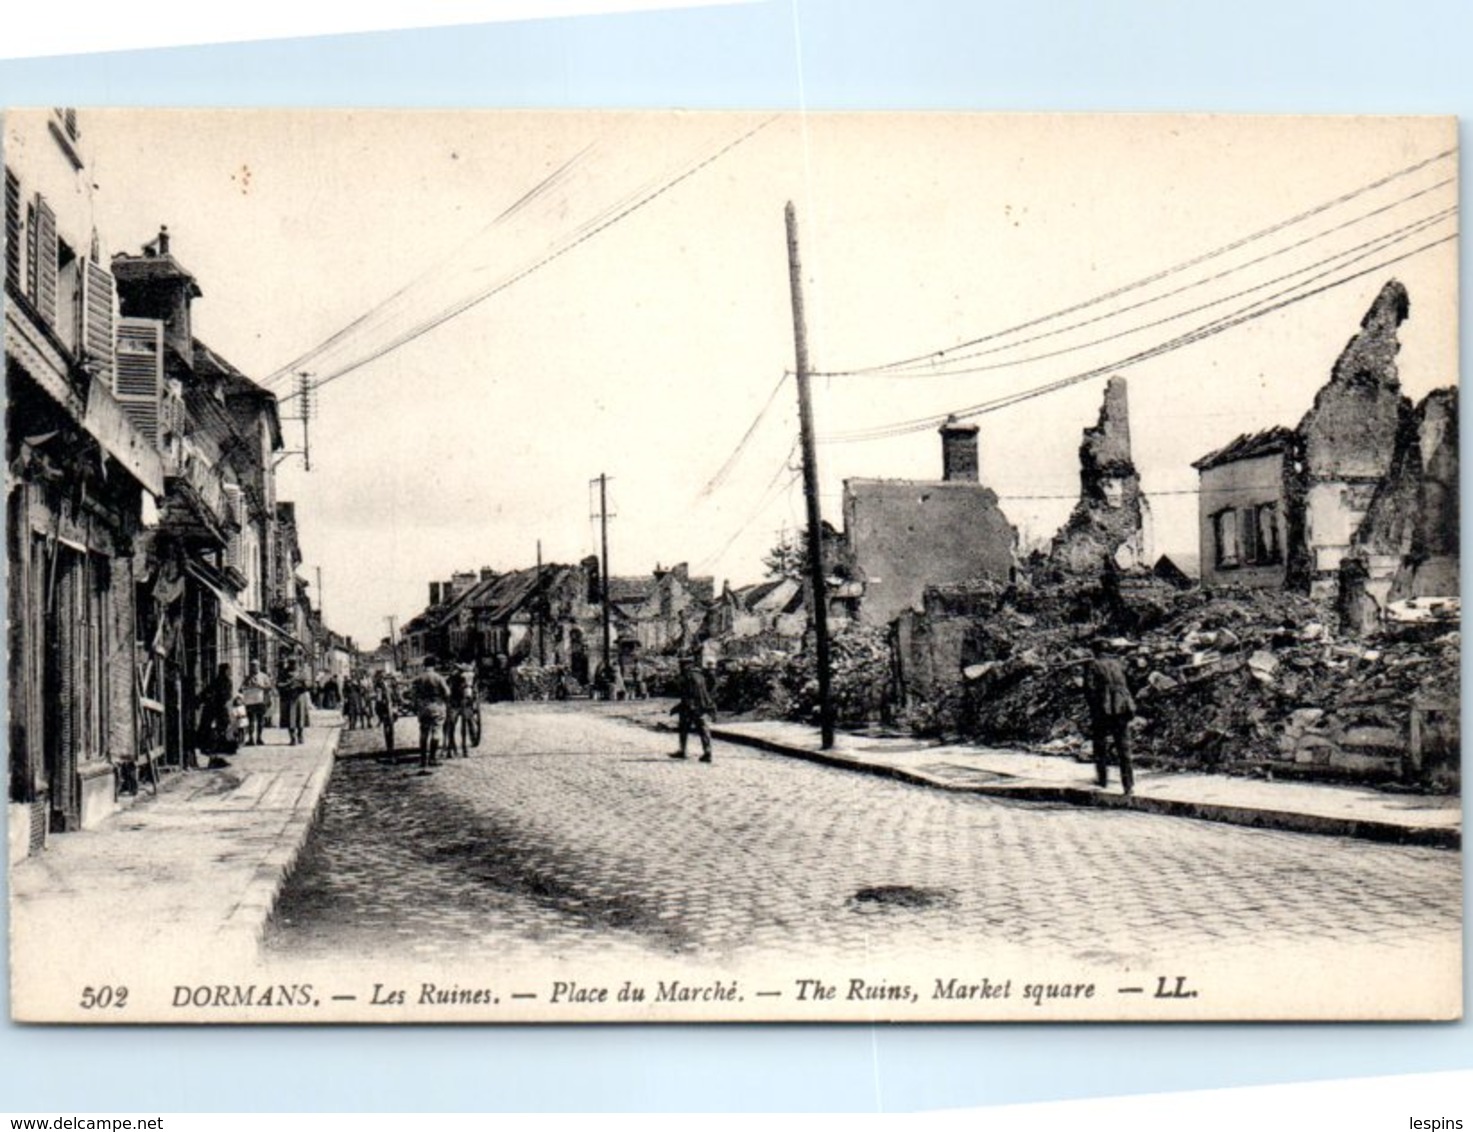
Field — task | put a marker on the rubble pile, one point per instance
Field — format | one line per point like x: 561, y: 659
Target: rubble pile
x: 1229, y: 679
x: 784, y: 684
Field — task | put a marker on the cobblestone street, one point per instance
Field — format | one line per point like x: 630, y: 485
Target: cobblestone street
x: 571, y: 834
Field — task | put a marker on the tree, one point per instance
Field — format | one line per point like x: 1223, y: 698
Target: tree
x: 789, y: 557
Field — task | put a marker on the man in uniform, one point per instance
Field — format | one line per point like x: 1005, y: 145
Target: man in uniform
x: 695, y: 710
x: 1110, y: 712
x: 430, y: 695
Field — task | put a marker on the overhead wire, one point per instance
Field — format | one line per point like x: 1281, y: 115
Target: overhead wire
x: 720, y: 475
x: 1366, y: 248
x: 952, y: 357
x: 768, y: 495
x: 545, y: 185
x: 1265, y: 307
x: 462, y: 306
x: 1165, y: 273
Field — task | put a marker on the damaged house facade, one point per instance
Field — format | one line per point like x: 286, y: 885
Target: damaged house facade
x: 949, y: 634
x: 905, y: 535
x: 1110, y: 526
x: 1358, y: 503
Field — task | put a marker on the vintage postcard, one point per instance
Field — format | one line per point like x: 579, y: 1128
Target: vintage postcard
x: 599, y: 567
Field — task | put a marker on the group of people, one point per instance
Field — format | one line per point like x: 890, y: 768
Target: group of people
x: 447, y: 708
x: 231, y: 717
x: 622, y: 681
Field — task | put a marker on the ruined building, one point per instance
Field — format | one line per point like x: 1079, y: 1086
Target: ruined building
x: 905, y: 535
x: 1348, y: 441
x: 1359, y: 503
x: 1110, y: 524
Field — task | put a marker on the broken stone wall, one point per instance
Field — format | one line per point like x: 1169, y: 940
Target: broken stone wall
x: 906, y: 535
x: 1431, y: 566
x: 1108, y: 525
x: 1349, y: 443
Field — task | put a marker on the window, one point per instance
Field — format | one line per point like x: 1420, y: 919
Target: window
x: 12, y: 230
x: 1247, y: 536
x: 1266, y: 522
x: 1225, y: 530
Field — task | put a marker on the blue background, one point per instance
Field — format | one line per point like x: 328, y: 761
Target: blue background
x: 1274, y: 56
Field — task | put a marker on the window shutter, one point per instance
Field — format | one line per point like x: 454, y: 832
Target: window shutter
x: 236, y: 514
x: 12, y: 230
x: 139, y: 374
x: 43, y: 262
x: 97, y: 320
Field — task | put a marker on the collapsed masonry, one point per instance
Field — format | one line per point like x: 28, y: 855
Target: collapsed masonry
x: 1109, y: 525
x: 1373, y: 495
x: 1347, y: 446
x: 1249, y: 673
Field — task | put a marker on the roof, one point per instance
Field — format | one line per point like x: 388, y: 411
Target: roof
x: 504, y: 595
x: 781, y: 595
x: 152, y: 269
x: 631, y: 589
x: 1249, y: 446
x: 231, y: 379
x: 1186, y: 563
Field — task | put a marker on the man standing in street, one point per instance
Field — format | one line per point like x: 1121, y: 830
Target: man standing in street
x: 695, y: 710
x: 254, y: 693
x: 291, y: 694
x: 430, y: 695
x: 1110, y: 712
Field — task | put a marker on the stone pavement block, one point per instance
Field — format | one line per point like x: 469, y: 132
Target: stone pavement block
x: 1300, y: 807
x: 192, y: 871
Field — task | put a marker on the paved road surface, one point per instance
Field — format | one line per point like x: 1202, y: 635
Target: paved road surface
x: 570, y: 833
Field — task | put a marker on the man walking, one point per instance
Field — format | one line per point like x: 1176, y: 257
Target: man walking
x: 1110, y: 712
x: 695, y: 710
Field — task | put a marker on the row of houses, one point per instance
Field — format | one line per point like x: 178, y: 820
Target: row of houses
x: 552, y: 614
x: 145, y: 542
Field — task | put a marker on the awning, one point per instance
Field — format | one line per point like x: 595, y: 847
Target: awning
x: 230, y: 609
x: 280, y: 633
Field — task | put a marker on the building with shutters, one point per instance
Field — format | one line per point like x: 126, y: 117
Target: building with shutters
x: 212, y: 559
x: 85, y: 480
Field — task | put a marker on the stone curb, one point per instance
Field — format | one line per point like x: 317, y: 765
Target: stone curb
x: 245, y: 927
x: 1283, y: 820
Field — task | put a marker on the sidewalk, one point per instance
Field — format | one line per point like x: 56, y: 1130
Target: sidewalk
x: 192, y: 873
x: 1301, y: 807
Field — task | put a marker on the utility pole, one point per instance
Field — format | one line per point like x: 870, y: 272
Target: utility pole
x: 304, y: 392
x: 603, y: 516
x: 393, y: 642
x: 304, y: 399
x: 541, y: 597
x: 321, y: 613
x: 810, y: 488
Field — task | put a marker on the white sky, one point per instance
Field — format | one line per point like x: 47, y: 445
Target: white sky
x: 646, y: 351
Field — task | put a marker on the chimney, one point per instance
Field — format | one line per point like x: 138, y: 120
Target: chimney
x: 487, y: 573
x: 435, y: 588
x: 163, y: 239
x: 958, y: 452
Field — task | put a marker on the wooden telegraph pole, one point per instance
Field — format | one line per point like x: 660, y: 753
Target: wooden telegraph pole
x: 603, y: 515
x: 810, y: 488
x: 541, y: 597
